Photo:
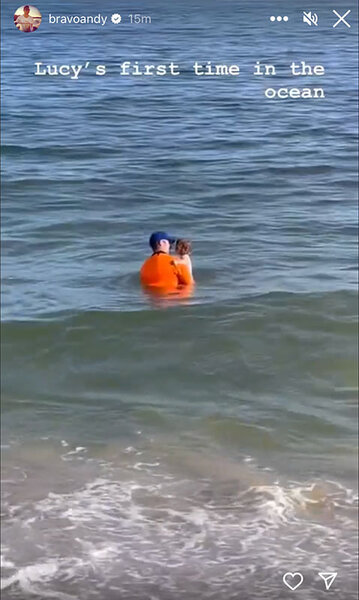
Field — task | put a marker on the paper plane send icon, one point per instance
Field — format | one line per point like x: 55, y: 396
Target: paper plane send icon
x: 328, y: 579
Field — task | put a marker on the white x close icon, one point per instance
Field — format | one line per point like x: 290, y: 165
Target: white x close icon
x: 341, y: 18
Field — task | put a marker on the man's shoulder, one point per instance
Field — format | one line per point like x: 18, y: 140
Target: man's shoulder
x: 166, y: 258
x: 160, y: 257
x: 157, y: 258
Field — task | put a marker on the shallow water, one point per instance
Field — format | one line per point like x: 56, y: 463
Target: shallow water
x: 199, y: 447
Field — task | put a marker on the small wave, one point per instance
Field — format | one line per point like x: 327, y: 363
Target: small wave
x: 73, y: 152
x: 304, y: 170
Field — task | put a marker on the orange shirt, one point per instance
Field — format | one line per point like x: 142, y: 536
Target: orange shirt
x: 160, y: 270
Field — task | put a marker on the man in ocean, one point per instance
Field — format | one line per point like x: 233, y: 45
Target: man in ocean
x: 26, y: 23
x: 159, y: 271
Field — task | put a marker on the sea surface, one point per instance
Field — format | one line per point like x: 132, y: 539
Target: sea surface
x: 169, y: 448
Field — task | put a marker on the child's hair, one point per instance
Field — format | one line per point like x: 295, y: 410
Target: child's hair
x: 183, y: 247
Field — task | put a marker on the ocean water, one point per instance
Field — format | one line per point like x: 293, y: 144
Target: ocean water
x: 197, y: 447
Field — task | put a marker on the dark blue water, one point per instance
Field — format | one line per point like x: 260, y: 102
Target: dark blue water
x: 205, y: 446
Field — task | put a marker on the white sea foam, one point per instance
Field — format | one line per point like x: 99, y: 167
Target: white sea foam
x: 141, y: 523
x: 26, y: 576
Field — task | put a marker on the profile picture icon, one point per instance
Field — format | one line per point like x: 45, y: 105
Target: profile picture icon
x: 27, y: 18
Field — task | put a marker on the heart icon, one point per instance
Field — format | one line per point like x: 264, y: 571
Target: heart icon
x: 293, y: 580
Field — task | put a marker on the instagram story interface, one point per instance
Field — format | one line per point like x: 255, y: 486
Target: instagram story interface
x: 179, y: 300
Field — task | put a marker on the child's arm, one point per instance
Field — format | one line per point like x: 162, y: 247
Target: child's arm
x: 188, y: 262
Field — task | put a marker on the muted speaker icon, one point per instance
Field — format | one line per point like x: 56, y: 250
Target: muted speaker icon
x: 310, y: 18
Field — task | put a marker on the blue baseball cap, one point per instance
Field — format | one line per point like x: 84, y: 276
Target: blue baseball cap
x: 157, y: 236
